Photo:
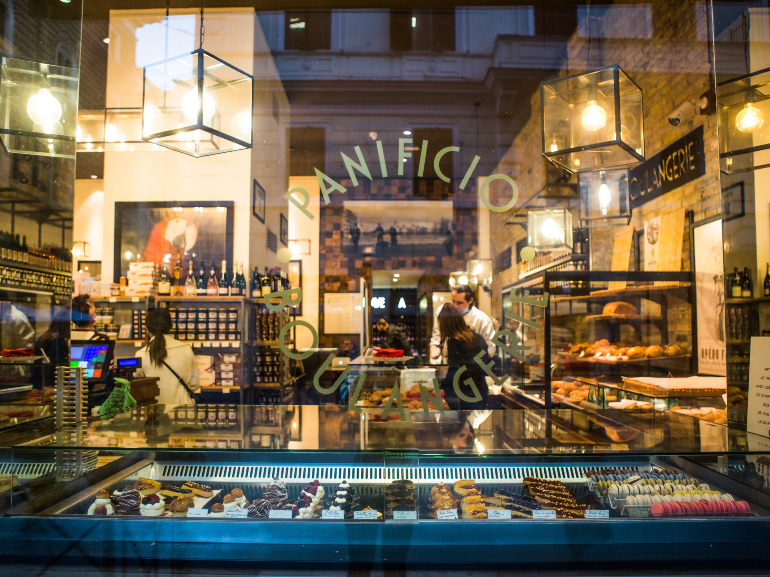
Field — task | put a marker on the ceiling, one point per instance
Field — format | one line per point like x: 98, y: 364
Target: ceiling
x: 386, y: 279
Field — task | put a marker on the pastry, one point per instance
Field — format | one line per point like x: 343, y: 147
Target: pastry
x: 654, y: 351
x: 635, y: 352
x: 229, y: 502
x: 462, y: 486
x: 619, y: 308
x: 379, y: 515
x: 198, y: 489
x: 168, y: 490
x: 101, y: 509
x: 180, y: 506
x: 259, y: 509
x: 102, y: 498
x: 475, y: 512
x: 153, y: 505
x: 276, y: 495
x: 217, y: 510
x: 146, y: 486
x: 128, y: 501
x: 238, y: 496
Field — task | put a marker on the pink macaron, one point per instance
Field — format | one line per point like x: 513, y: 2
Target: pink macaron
x: 705, y: 507
x: 744, y: 507
x: 667, y: 510
x: 658, y: 510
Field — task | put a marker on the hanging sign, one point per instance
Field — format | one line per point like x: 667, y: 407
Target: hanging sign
x: 675, y: 165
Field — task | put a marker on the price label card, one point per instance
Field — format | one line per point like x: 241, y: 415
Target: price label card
x: 279, y: 514
x: 194, y: 512
x: 113, y: 299
x: 597, y: 514
x: 498, y: 514
x: 138, y: 344
x: 547, y: 514
x: 225, y: 391
x: 447, y: 514
x: 327, y: 514
x: 134, y: 299
x: 237, y: 513
x: 364, y: 515
x: 133, y: 434
x: 405, y: 515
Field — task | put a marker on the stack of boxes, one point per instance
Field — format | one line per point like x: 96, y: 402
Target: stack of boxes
x: 227, y: 370
x: 142, y: 279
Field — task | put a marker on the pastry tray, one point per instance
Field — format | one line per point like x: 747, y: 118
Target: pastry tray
x: 632, y: 385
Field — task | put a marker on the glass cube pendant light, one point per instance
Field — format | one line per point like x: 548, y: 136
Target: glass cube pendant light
x: 549, y: 229
x: 604, y: 198
x: 744, y: 122
x: 197, y: 104
x: 592, y: 121
x: 39, y: 107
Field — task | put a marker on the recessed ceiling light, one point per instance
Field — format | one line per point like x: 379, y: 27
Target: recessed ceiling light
x: 94, y: 176
x: 408, y: 132
x: 106, y: 40
x: 396, y: 275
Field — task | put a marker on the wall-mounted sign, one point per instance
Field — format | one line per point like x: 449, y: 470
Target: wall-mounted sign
x: 675, y: 165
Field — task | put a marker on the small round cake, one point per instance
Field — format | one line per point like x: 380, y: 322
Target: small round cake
x: 217, y: 511
x: 152, y: 505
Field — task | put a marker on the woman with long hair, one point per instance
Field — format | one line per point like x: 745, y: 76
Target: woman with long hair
x: 163, y: 356
x: 460, y: 345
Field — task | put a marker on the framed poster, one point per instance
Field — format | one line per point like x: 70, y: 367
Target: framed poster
x: 284, y: 232
x: 651, y: 238
x: 707, y: 258
x: 733, y: 201
x: 258, y: 201
x: 295, y: 280
x: 167, y: 232
x: 343, y: 313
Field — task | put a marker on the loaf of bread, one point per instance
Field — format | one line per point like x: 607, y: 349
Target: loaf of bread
x: 619, y: 308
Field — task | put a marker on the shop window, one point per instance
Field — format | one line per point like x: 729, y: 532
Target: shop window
x: 308, y: 30
x: 422, y: 30
x: 307, y: 150
x: 429, y: 185
x: 555, y: 18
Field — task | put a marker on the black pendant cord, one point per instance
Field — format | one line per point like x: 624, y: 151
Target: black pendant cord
x: 588, y: 17
x: 202, y: 29
x: 746, y: 38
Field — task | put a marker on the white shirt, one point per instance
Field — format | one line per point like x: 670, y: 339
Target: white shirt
x: 182, y: 359
x: 478, y: 321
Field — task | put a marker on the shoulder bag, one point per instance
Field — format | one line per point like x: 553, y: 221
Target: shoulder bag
x: 196, y: 397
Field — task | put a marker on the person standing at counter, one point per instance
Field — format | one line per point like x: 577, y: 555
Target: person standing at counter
x: 84, y: 319
x: 394, y: 337
x: 460, y: 344
x: 168, y: 359
x: 462, y: 299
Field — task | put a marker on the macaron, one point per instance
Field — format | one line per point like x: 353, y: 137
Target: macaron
x: 631, y: 500
x: 743, y: 507
x: 658, y: 510
x: 667, y: 510
x: 727, y: 497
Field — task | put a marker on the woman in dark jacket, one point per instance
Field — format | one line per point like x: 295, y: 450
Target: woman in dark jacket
x: 460, y: 344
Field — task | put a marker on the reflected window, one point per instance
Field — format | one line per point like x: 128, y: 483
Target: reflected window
x: 307, y: 150
x: 422, y: 30
x: 429, y: 185
x: 308, y: 30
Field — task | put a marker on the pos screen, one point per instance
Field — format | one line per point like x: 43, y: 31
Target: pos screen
x: 93, y: 357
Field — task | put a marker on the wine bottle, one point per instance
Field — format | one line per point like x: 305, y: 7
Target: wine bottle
x: 735, y: 289
x: 767, y: 281
x: 190, y: 289
x: 200, y: 286
x: 24, y: 251
x: 224, y: 283
x: 241, y: 281
x: 177, y: 289
x: 276, y: 280
x: 746, y: 288
x: 256, y: 284
x: 164, y: 284
x: 267, y: 283
x: 235, y: 282
x: 212, y: 286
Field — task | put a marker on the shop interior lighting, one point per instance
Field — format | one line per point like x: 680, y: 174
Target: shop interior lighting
x: 81, y: 249
x: 604, y: 198
x: 549, y: 229
x: 299, y: 246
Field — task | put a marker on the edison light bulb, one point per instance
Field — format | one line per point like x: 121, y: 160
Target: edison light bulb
x: 593, y: 117
x: 44, y: 109
x: 463, y: 280
x: 749, y: 119
x: 241, y: 123
x: 451, y: 281
x: 478, y: 269
x: 191, y: 104
x: 604, y: 195
x: 551, y: 230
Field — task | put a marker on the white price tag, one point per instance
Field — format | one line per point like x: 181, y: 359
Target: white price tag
x: 364, y: 515
x: 133, y: 434
x: 280, y: 514
x: 194, y: 512
x: 544, y: 514
x: 447, y: 514
x: 597, y: 514
x: 225, y: 391
x: 327, y: 514
x: 113, y: 299
x: 498, y: 514
x: 138, y: 344
x: 405, y: 515
x: 237, y: 513
x: 134, y: 299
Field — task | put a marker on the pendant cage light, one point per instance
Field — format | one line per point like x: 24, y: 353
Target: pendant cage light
x: 39, y: 107
x: 479, y: 271
x: 197, y: 104
x: 604, y: 198
x: 112, y: 129
x: 549, y: 229
x: 592, y: 121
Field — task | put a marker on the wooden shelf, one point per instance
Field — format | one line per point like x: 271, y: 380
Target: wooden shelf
x: 33, y: 268
x: 643, y: 318
x: 204, y: 299
x: 219, y: 389
x: 272, y: 343
x: 119, y: 299
x: 554, y: 263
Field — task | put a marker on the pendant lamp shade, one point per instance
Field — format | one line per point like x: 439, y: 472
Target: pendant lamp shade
x: 592, y: 121
x: 172, y: 115
x: 38, y: 107
x: 549, y: 229
x: 604, y: 198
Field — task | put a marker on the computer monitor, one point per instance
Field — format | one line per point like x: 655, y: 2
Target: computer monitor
x: 94, y: 357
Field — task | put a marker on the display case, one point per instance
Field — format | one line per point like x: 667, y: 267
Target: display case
x: 604, y: 335
x: 471, y: 489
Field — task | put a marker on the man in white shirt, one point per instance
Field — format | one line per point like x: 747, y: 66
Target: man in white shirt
x: 462, y: 298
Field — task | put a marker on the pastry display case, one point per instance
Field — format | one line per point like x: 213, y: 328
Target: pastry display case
x: 606, y: 337
x: 557, y: 485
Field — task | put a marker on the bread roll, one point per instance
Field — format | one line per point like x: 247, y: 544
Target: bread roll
x: 654, y: 351
x: 635, y: 352
x: 619, y: 308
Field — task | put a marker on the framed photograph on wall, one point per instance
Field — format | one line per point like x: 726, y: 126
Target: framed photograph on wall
x: 258, y: 201
x: 295, y: 280
x: 733, y: 201
x: 284, y: 236
x: 171, y: 232
x: 709, y: 344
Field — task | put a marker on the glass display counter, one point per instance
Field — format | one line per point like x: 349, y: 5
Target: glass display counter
x: 556, y: 486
